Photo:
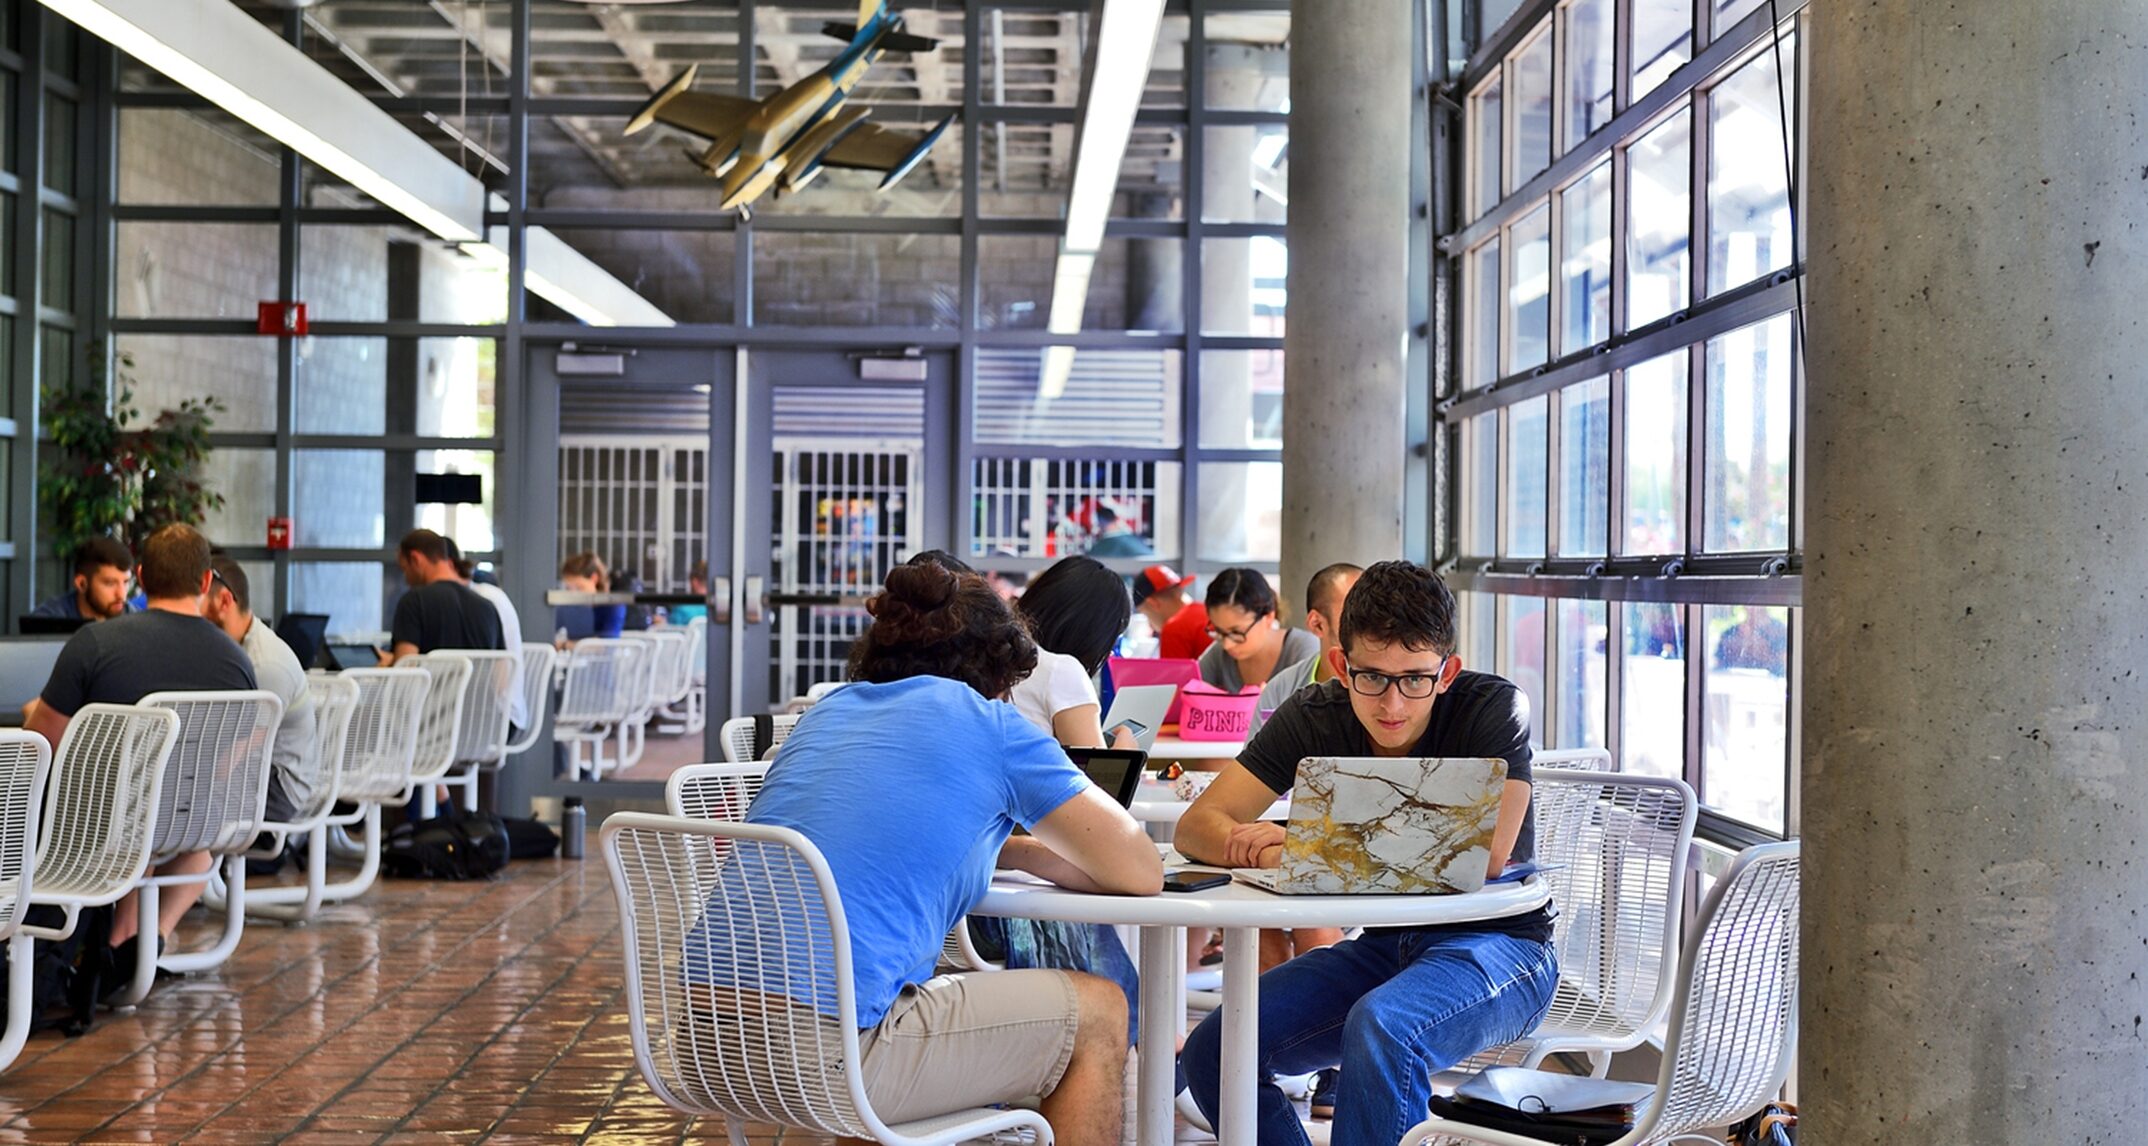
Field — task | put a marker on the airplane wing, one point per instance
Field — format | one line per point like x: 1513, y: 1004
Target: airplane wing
x: 705, y: 114
x: 870, y: 147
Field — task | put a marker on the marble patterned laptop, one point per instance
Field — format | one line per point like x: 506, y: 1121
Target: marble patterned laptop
x: 1384, y: 826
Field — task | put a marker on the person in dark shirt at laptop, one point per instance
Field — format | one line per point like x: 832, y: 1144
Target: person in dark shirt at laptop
x: 167, y: 647
x: 1394, y: 1005
x: 99, y: 590
x: 439, y: 611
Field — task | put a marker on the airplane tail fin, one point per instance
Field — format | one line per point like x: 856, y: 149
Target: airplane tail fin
x: 892, y: 42
x: 867, y: 9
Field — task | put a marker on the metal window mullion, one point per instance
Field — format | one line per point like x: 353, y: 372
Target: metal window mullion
x: 1554, y: 461
x: 962, y: 470
x: 1621, y: 56
x: 1692, y: 617
x: 1696, y: 476
x: 1794, y: 726
x: 742, y: 245
x: 1615, y: 683
x: 289, y: 273
x: 29, y: 287
x: 1193, y: 273
x: 1699, y: 139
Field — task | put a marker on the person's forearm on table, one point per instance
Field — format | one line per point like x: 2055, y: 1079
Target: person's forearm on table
x: 1028, y: 854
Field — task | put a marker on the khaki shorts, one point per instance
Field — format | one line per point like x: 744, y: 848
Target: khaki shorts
x: 981, y: 1039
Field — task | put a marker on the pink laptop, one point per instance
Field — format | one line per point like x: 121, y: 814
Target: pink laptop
x: 1136, y: 671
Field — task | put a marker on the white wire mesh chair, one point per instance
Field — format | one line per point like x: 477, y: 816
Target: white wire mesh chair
x: 1616, y: 849
x: 335, y: 701
x: 1733, y: 1025
x: 538, y: 661
x: 214, y: 793
x: 595, y: 700
x: 819, y: 692
x: 661, y: 668
x: 1577, y: 759
x: 690, y: 710
x: 439, y: 724
x: 714, y: 791
x: 736, y: 735
x: 379, y: 743
x: 488, y: 704
x: 25, y: 767
x: 740, y: 993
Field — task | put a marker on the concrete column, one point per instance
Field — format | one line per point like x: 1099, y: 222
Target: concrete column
x: 1975, y: 806
x: 1235, y: 77
x: 1343, y: 408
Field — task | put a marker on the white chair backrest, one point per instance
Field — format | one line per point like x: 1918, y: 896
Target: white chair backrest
x: 1616, y: 849
x: 736, y: 736
x: 1733, y: 1028
x: 382, y: 738
x: 697, y: 649
x: 1577, y: 759
x: 537, y: 663
x: 334, y: 699
x: 600, y: 680
x: 651, y: 669
x: 101, y: 803
x: 216, y: 781
x: 25, y: 765
x: 714, y: 791
x: 440, y: 724
x: 488, y: 704
x: 819, y: 692
x: 739, y: 982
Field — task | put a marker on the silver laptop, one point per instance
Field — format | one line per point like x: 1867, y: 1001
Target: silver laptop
x: 1141, y: 707
x: 1381, y: 826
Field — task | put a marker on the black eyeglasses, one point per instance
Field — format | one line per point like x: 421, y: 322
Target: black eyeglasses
x: 219, y: 579
x: 1235, y: 636
x: 1413, y: 685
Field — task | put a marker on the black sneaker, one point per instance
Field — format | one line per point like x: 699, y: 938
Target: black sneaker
x: 1322, y: 1103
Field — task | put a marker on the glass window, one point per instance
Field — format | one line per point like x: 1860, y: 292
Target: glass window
x: 1528, y: 425
x: 1659, y: 220
x: 60, y: 143
x: 1532, y: 108
x: 829, y: 279
x: 1486, y: 120
x: 1748, y: 452
x: 338, y: 498
x: 240, y: 372
x: 1589, y: 68
x: 8, y: 82
x: 1583, y: 632
x: 1521, y: 654
x: 1529, y: 291
x: 1585, y: 260
x: 469, y: 523
x: 1662, y: 41
x: 686, y: 274
x: 1729, y: 12
x: 7, y: 243
x: 197, y: 157
x: 1652, y: 729
x: 1584, y: 468
x: 1484, y: 298
x: 349, y: 592
x: 1134, y: 284
x: 1242, y: 399
x: 1655, y: 510
x: 1241, y: 511
x: 57, y: 274
x: 1035, y: 507
x: 1480, y: 471
x: 1746, y: 729
x: 1477, y: 638
x: 194, y: 270
x: 247, y: 481
x: 1107, y: 397
x: 1244, y: 285
x: 1748, y: 168
x: 58, y: 355
x: 1248, y: 63
x: 1245, y: 175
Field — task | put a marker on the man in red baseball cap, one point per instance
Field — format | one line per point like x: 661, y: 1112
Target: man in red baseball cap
x: 1181, y: 625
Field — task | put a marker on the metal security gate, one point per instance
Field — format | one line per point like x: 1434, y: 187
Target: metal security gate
x: 640, y: 503
x: 844, y: 517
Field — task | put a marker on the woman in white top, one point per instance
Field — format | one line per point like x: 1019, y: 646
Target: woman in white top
x: 1076, y: 610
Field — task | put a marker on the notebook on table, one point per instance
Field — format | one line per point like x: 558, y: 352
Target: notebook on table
x: 1381, y: 826
x: 1132, y: 672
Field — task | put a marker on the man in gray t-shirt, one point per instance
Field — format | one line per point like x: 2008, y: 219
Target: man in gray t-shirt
x: 294, y: 755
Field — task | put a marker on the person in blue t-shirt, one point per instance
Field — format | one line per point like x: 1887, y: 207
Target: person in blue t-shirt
x: 585, y: 573
x: 911, y: 781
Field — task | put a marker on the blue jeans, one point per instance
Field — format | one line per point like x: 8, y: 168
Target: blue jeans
x: 1391, y: 1008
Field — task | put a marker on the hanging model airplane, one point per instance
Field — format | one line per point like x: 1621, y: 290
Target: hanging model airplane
x: 784, y: 141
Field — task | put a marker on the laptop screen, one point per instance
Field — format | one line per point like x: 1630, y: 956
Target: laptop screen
x: 354, y: 656
x: 1115, y: 770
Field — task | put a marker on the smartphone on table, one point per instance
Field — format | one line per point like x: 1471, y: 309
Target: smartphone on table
x: 1194, y: 880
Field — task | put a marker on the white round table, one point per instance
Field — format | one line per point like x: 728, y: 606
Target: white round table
x: 1241, y: 911
x: 1155, y: 803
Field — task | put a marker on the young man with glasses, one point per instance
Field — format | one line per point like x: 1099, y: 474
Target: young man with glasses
x: 1394, y: 1005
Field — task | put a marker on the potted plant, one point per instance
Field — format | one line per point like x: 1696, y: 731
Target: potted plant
x: 106, y: 475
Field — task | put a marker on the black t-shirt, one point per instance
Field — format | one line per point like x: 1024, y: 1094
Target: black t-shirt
x: 1480, y: 715
x: 446, y: 615
x: 122, y: 660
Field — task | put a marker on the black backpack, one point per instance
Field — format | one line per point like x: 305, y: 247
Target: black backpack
x: 453, y: 845
x: 68, y: 976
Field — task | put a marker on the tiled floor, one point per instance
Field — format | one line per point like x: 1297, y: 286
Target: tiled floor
x: 424, y: 1012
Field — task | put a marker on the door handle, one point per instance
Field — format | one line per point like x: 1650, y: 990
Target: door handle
x: 720, y: 600
x: 756, y: 599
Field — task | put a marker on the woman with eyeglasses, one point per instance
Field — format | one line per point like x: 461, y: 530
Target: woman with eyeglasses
x: 1251, y: 642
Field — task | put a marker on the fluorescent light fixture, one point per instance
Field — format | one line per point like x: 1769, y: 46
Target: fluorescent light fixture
x: 217, y: 51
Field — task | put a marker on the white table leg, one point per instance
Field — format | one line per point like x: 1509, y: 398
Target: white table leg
x: 1163, y: 1020
x: 1241, y: 1031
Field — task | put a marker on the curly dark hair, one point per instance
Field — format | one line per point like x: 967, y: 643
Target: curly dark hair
x: 1077, y: 608
x: 930, y: 621
x: 1400, y: 602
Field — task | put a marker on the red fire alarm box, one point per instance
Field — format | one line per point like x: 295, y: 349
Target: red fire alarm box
x: 279, y: 533
x: 287, y: 319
